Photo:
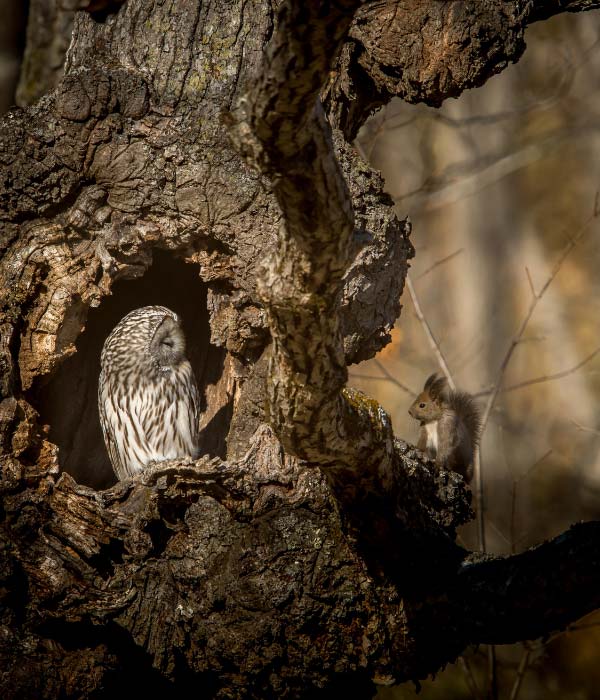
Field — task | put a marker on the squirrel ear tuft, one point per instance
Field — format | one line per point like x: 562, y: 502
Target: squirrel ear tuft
x: 430, y: 380
x: 438, y: 387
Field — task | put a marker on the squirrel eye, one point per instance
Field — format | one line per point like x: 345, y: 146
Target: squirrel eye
x: 421, y: 405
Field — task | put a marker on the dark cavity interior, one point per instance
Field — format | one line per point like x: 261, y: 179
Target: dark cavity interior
x: 68, y: 401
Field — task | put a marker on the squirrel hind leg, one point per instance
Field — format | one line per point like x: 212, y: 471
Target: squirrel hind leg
x: 468, y: 473
x: 461, y: 463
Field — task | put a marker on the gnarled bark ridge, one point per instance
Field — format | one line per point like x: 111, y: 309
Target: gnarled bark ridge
x: 197, y: 155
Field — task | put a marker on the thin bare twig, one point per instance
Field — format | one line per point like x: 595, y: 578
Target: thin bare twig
x: 393, y: 379
x: 435, y: 346
x: 517, y: 337
x: 585, y: 428
x: 470, y: 678
x: 513, y: 498
x: 523, y: 666
x: 513, y: 512
x: 498, y: 531
x: 504, y: 364
x: 384, y: 123
x: 479, y: 498
x: 439, y: 262
x: 493, y: 672
x: 530, y: 281
x: 534, y: 465
x: 532, y: 306
x: 543, y: 378
x: 384, y: 379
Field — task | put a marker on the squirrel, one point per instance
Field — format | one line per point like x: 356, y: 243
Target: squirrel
x: 450, y: 425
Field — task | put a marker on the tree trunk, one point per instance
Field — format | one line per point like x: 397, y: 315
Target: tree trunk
x: 180, y: 163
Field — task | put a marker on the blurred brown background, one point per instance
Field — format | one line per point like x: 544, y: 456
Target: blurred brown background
x: 497, y: 182
x: 13, y: 17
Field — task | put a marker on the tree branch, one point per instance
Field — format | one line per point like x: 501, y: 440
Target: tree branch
x: 281, y: 128
x: 543, y: 378
x: 523, y: 666
x: 462, y: 44
x: 502, y: 600
x: 531, y: 594
x: 543, y: 9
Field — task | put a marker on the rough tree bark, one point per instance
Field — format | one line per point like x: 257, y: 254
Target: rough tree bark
x: 178, y: 162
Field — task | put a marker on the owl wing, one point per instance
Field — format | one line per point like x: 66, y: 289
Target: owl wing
x: 194, y: 414
x: 183, y: 415
x: 151, y: 422
x: 108, y: 421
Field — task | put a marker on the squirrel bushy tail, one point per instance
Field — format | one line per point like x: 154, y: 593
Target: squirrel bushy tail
x: 468, y: 410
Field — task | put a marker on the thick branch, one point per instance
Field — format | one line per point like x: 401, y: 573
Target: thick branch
x: 502, y: 600
x: 532, y: 594
x: 241, y: 574
x: 543, y: 9
x: 255, y: 556
x: 283, y: 130
x: 427, y: 51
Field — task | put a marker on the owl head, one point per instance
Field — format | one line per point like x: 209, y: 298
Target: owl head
x: 149, y: 337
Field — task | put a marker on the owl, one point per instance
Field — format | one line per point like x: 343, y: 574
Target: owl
x: 147, y: 394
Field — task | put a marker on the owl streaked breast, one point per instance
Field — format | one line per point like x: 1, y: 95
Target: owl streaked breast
x: 147, y: 395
